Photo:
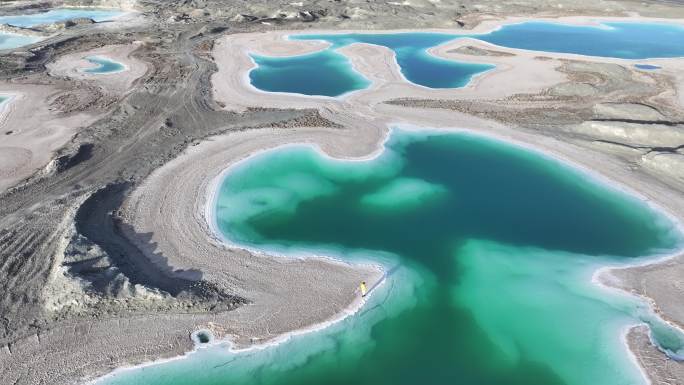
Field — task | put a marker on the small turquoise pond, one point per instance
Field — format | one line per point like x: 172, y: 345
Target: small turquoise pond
x: 310, y: 75
x: 103, y: 65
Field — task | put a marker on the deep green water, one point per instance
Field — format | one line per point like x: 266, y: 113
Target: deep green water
x: 489, y: 251
x: 104, y: 65
x: 620, y: 40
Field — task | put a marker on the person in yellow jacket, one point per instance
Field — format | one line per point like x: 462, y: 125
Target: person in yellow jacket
x: 363, y: 288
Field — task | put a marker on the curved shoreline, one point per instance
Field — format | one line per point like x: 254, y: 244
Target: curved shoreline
x: 241, y: 257
x: 217, y: 180
x: 439, y: 51
x: 594, y: 176
x: 602, y: 174
x: 124, y: 16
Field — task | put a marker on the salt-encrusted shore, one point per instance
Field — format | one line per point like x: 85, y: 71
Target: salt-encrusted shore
x: 286, y: 294
x: 120, y: 82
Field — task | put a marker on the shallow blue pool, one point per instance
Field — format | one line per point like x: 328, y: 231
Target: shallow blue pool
x: 648, y: 67
x: 60, y: 14
x: 103, y: 65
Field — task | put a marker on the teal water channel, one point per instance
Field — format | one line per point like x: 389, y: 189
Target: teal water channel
x: 309, y: 75
x: 12, y: 40
x: 103, y: 65
x: 489, y: 251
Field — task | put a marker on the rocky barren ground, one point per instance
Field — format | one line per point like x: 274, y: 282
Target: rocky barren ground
x: 72, y: 283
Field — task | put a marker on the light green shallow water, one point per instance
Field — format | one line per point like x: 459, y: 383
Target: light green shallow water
x: 489, y: 252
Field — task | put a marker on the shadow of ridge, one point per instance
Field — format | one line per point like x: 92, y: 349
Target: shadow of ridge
x: 95, y: 221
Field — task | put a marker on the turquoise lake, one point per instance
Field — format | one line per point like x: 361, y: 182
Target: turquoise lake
x: 9, y: 41
x: 60, y: 14
x: 618, y: 40
x: 103, y: 65
x: 489, y: 251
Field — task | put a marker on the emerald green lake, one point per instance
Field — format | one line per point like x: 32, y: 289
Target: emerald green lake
x: 489, y: 251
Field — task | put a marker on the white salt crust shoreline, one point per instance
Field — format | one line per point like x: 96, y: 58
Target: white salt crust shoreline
x: 210, y: 215
x: 33, y: 130
x: 217, y: 343
x: 393, y: 78
x: 528, y: 76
